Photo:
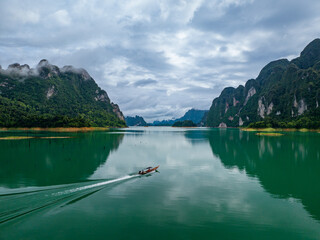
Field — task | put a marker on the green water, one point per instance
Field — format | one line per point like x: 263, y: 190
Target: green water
x: 212, y: 184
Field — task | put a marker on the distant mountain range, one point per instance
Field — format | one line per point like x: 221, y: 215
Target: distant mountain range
x: 193, y: 115
x: 285, y: 94
x: 135, y: 121
x: 48, y: 96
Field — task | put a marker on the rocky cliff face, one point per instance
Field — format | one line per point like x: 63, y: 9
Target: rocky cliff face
x: 47, y: 91
x: 116, y: 110
x: 284, y: 90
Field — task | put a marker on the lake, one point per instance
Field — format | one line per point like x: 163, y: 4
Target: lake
x: 211, y: 184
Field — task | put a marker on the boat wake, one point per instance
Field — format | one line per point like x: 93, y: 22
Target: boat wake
x: 14, y: 204
x: 74, y: 190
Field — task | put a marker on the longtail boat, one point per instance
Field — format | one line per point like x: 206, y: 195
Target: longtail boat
x: 148, y: 170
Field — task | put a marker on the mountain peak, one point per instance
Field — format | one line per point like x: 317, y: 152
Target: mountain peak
x: 46, y: 69
x: 14, y: 65
x: 18, y: 66
x: 80, y: 71
x: 18, y: 70
x: 43, y: 62
x: 272, y: 67
x: 309, y: 56
x: 314, y: 45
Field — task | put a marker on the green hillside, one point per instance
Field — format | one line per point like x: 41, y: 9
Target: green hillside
x: 48, y: 96
x: 285, y: 94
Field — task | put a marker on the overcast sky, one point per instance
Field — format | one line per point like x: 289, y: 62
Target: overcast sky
x: 158, y: 59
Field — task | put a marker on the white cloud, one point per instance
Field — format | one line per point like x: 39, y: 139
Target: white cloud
x: 121, y: 69
x: 61, y: 17
x: 158, y: 58
x: 28, y: 17
x: 180, y: 11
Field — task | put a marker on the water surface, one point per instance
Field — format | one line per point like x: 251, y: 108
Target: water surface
x: 212, y: 184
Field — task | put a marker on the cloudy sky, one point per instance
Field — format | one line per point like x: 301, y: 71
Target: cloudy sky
x: 160, y: 58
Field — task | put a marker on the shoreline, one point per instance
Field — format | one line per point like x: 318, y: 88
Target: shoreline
x: 60, y: 129
x: 279, y: 130
x: 91, y: 129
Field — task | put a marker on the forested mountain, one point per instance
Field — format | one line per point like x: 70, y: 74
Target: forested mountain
x: 193, y: 115
x: 184, y: 123
x: 135, y: 121
x: 285, y: 94
x: 48, y: 96
x: 163, y: 122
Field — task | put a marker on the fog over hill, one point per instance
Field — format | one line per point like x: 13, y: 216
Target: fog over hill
x: 49, y: 96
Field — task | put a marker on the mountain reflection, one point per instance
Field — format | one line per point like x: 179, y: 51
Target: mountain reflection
x: 43, y: 162
x: 286, y: 166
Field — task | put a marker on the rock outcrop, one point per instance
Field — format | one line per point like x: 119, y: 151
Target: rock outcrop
x: 116, y: 110
x: 284, y: 90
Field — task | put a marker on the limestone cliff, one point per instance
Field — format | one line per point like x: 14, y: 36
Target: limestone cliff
x: 284, y: 90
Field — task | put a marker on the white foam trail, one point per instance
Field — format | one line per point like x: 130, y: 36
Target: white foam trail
x: 93, y: 185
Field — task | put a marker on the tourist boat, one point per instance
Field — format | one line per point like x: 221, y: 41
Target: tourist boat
x: 148, y: 170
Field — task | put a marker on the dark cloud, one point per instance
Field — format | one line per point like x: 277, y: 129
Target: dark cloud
x: 144, y: 82
x: 158, y: 58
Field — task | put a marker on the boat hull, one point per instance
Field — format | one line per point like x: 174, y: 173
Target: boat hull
x: 149, y: 170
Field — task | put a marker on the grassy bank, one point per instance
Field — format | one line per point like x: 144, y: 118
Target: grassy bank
x: 279, y: 130
x: 67, y: 129
x: 28, y: 137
